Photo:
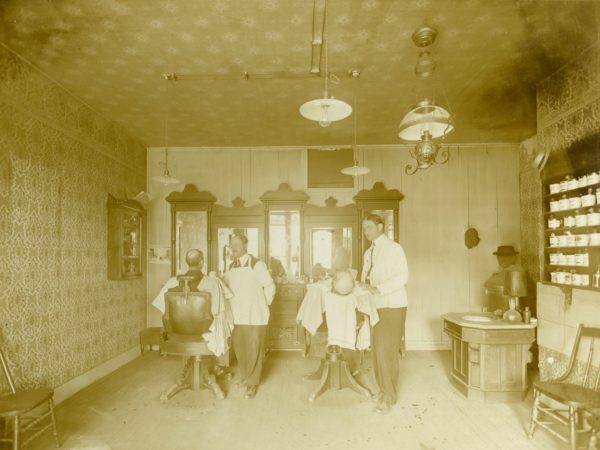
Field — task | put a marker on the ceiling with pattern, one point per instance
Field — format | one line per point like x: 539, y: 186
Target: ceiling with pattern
x: 111, y: 54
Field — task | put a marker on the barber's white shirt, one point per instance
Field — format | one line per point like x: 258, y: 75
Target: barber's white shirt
x: 388, y: 272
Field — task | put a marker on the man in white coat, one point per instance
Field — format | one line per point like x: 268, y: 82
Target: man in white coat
x: 385, y: 274
x: 253, y: 291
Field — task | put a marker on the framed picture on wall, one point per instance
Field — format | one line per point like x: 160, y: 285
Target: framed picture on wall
x: 159, y: 254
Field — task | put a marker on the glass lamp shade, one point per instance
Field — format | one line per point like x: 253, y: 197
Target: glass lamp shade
x: 166, y: 178
x: 425, y: 117
x: 325, y: 110
x: 355, y: 170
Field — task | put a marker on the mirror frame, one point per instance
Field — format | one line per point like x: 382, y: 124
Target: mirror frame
x: 378, y: 197
x: 284, y: 198
x: 237, y: 216
x: 190, y: 199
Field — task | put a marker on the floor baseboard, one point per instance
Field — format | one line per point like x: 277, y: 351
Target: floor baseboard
x: 73, y: 386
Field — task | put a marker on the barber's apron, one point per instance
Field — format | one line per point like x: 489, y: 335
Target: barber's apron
x: 249, y: 305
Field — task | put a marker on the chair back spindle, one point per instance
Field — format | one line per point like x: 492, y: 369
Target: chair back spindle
x: 7, y: 374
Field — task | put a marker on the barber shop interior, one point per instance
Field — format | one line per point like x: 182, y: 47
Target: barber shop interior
x: 300, y: 224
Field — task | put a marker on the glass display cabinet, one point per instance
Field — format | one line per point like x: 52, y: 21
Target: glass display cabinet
x: 126, y: 239
x: 190, y: 226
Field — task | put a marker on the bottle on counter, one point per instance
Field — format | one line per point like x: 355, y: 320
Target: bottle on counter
x: 527, y: 315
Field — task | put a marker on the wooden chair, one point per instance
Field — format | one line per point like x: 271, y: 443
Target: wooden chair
x: 18, y: 407
x: 187, y: 316
x: 574, y: 395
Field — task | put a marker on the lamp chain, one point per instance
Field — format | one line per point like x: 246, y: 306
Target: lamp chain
x: 325, y: 43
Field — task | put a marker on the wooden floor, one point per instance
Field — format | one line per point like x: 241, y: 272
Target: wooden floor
x: 123, y: 411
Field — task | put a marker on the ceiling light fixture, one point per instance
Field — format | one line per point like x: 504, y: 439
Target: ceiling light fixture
x: 166, y: 178
x: 355, y: 170
x: 426, y: 153
x: 426, y: 121
x: 327, y: 109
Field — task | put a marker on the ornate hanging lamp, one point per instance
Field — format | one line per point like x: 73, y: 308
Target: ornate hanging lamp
x: 426, y: 121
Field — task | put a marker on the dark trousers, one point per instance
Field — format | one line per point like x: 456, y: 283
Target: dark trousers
x: 386, y: 340
x: 249, y: 348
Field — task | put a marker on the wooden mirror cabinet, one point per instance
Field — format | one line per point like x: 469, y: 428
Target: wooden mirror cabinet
x: 191, y: 212
x: 291, y: 235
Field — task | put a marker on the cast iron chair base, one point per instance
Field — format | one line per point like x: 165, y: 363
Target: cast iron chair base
x: 334, y: 373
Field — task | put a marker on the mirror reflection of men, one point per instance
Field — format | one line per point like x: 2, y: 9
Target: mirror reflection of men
x: 385, y: 273
x: 253, y: 291
x: 494, y: 286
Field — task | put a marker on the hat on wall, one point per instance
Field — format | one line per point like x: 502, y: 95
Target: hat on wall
x: 505, y: 250
x: 471, y: 238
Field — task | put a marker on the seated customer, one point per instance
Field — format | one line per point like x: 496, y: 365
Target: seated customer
x: 220, y: 330
x: 195, y: 261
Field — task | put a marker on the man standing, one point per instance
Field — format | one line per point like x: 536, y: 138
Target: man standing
x: 385, y: 274
x: 253, y: 291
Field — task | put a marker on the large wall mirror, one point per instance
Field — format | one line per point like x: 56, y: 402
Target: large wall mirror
x: 237, y: 219
x: 285, y: 243
x: 331, y: 246
x: 190, y: 225
x: 284, y: 215
x: 191, y: 231
x: 331, y: 234
x: 384, y: 202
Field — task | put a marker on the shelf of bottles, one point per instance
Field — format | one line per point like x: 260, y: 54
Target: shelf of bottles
x: 572, y: 234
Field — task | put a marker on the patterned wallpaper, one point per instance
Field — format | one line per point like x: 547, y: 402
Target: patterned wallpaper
x: 568, y: 109
x: 59, y: 316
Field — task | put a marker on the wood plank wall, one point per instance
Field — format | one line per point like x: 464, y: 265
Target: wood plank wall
x: 478, y: 187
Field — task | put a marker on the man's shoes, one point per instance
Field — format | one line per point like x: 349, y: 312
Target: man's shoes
x: 250, y: 392
x: 384, y: 405
x: 376, y: 397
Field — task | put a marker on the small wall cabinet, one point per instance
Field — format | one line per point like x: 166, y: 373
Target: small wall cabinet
x: 126, y: 239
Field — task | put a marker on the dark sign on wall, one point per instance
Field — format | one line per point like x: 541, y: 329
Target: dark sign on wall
x: 324, y: 168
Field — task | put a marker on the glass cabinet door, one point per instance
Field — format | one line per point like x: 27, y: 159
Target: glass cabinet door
x: 131, y: 258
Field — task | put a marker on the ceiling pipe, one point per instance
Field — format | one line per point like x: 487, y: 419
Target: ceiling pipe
x: 317, y: 36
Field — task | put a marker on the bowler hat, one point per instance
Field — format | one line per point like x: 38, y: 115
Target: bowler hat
x: 505, y: 250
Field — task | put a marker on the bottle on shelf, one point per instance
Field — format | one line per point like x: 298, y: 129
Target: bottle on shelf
x: 596, y: 282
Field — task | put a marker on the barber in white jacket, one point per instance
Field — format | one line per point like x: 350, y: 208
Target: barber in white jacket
x: 253, y: 291
x: 385, y: 273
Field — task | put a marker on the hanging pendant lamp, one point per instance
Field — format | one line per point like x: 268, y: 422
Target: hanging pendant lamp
x: 166, y: 178
x: 355, y: 170
x: 327, y: 109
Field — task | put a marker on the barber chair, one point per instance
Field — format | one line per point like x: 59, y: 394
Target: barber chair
x: 334, y: 370
x: 188, y: 316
